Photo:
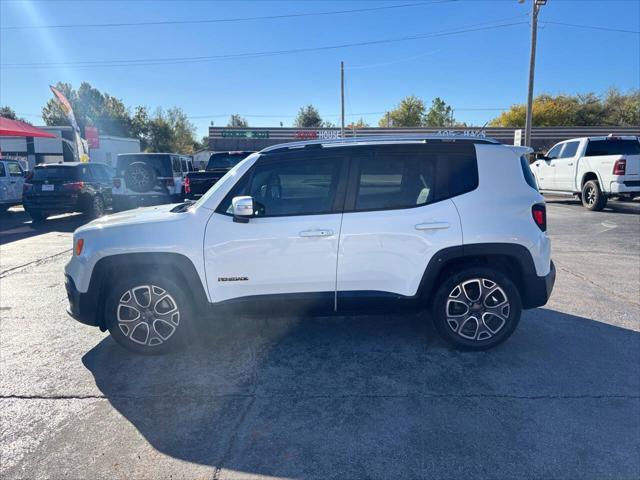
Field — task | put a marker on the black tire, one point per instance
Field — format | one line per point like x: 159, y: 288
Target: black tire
x: 592, y: 196
x: 37, y: 216
x: 141, y: 337
x: 140, y: 177
x: 459, y: 330
x: 96, y: 207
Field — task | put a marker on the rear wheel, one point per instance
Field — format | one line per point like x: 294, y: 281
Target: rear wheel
x: 148, y: 314
x: 592, y: 196
x: 477, y: 308
x: 37, y: 216
x: 96, y: 207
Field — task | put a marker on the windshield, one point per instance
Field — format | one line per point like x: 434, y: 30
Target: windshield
x: 226, y: 160
x: 54, y: 173
x: 161, y: 163
x: 224, y: 181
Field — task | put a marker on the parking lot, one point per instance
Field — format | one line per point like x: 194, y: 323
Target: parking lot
x: 331, y: 397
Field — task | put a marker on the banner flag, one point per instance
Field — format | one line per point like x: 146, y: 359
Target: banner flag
x: 82, y: 149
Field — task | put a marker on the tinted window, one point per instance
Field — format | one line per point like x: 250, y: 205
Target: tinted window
x: 101, y: 173
x: 14, y: 169
x: 570, y: 149
x: 395, y: 181
x: 462, y: 172
x: 55, y: 173
x: 555, y: 151
x: 598, y: 148
x: 226, y: 160
x: 85, y: 172
x: 3, y: 172
x: 526, y: 171
x: 160, y: 163
x: 295, y: 187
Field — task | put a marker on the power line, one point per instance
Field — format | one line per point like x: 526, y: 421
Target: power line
x: 223, y: 20
x: 183, y: 60
x: 592, y: 27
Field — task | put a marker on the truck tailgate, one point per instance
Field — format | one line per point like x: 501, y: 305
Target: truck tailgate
x: 633, y: 164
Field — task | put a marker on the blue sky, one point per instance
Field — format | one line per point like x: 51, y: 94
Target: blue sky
x: 475, y: 70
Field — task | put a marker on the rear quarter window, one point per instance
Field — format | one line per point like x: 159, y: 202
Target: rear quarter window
x: 462, y: 173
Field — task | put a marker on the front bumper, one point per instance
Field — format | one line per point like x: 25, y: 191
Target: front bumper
x: 537, y: 290
x: 82, y: 307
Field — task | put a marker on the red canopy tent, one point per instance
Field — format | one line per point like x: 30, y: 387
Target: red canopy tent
x: 14, y: 128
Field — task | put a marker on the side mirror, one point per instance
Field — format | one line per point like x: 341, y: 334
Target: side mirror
x: 541, y: 156
x: 242, y: 209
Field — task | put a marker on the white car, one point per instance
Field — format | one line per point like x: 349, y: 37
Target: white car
x: 593, y: 168
x: 11, y: 181
x: 453, y: 225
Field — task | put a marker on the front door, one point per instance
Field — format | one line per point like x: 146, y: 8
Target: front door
x: 398, y: 215
x: 290, y: 246
x: 545, y: 170
x: 565, y: 167
x: 15, y: 181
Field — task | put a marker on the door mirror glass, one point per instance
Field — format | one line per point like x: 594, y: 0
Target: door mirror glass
x: 242, y: 208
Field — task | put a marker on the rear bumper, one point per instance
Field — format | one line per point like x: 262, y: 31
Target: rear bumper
x: 628, y: 186
x: 537, y: 290
x: 128, y: 202
x: 53, y: 203
x: 82, y: 307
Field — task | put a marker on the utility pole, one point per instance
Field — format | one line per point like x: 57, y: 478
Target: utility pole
x: 535, y: 9
x: 342, y: 98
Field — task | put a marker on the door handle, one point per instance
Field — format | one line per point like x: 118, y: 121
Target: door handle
x: 570, y: 163
x: 432, y: 226
x: 316, y: 233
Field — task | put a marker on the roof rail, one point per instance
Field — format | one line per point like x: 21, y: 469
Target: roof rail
x: 374, y: 140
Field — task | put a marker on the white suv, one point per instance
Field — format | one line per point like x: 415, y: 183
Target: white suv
x: 454, y: 225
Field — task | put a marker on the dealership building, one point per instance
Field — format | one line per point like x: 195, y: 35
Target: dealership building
x: 225, y: 139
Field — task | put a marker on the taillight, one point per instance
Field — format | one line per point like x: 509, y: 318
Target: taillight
x: 73, y: 186
x: 26, y: 187
x: 539, y: 213
x: 187, y: 185
x: 620, y: 167
x: 116, y: 182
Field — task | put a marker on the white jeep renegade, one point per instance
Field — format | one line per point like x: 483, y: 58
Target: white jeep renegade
x: 454, y: 225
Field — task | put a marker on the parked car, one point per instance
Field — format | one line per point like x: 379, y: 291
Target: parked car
x: 55, y: 188
x: 144, y: 179
x: 450, y: 225
x: 592, y: 168
x: 11, y: 180
x: 197, y: 183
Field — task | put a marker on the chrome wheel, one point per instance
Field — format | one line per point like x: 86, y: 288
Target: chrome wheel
x: 147, y: 315
x: 590, y: 195
x: 477, y: 309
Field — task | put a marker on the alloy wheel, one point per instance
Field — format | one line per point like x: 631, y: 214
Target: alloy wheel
x: 591, y: 195
x: 477, y: 309
x: 148, y: 315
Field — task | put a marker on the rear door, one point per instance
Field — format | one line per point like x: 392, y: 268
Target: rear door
x: 290, y: 246
x: 103, y: 179
x: 5, y: 191
x: 398, y: 215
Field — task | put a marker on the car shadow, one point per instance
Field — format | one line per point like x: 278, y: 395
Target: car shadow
x: 17, y: 225
x: 613, y: 206
x: 338, y: 397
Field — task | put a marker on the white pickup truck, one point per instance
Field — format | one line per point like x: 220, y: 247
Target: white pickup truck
x: 593, y: 168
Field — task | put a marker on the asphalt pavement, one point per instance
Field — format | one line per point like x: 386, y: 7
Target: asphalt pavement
x: 329, y: 397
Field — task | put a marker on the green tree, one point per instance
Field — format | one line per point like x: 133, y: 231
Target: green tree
x: 621, y: 109
x: 183, y: 131
x: 140, y: 126
x: 439, y: 115
x: 237, y: 121
x: 410, y: 112
x: 8, y: 112
x: 160, y: 133
x: 91, y: 107
x: 308, y: 117
x: 357, y: 125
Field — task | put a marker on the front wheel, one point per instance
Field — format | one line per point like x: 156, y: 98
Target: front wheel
x: 476, y: 308
x: 148, y: 314
x: 592, y: 196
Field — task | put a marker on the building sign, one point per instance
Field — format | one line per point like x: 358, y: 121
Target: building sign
x: 245, y: 134
x: 91, y: 134
x: 463, y: 133
x: 317, y: 134
x: 517, y: 137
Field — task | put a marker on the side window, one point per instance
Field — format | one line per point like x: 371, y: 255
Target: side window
x: 3, y: 171
x: 84, y: 172
x: 302, y: 187
x: 175, y: 162
x: 15, y: 170
x: 462, y: 172
x: 569, y: 150
x: 389, y: 181
x: 555, y: 151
